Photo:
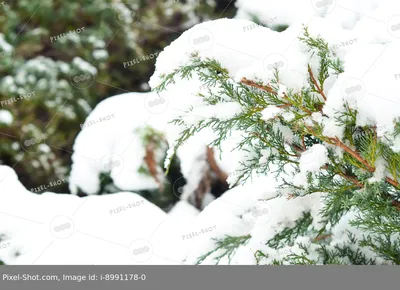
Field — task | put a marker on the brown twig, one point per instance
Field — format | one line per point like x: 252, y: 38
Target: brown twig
x: 297, y: 148
x: 351, y: 179
x: 150, y: 161
x: 353, y: 153
x: 322, y: 237
x: 290, y: 196
x: 337, y: 142
x: 268, y: 89
x: 303, y: 143
x: 314, y: 81
x: 362, y: 160
x: 210, y: 172
x: 396, y: 204
x: 250, y: 83
x: 222, y: 176
x: 393, y: 182
x: 284, y: 106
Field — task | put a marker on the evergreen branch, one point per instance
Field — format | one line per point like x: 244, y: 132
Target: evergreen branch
x: 227, y: 245
x: 270, y: 90
x: 298, y: 106
x: 353, y: 153
x: 337, y: 142
x: 351, y: 179
x: 289, y: 234
x: 345, y: 179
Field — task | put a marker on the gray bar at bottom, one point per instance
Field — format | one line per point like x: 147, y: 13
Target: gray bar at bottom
x: 198, y: 277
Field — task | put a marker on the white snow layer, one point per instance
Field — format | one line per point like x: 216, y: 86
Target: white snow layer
x: 110, y: 143
x: 121, y: 228
x: 345, y: 13
x: 65, y: 229
x: 370, y: 83
x: 124, y: 228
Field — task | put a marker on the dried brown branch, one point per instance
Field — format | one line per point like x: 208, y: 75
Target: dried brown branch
x: 314, y: 81
x: 221, y: 175
x: 210, y: 172
x: 357, y: 156
x: 268, y: 89
x: 337, y: 142
x: 351, y: 179
x: 284, y: 106
x: 353, y: 153
x: 298, y: 148
x: 393, y: 182
x: 396, y: 204
x: 322, y: 237
x: 250, y: 83
x: 150, y: 161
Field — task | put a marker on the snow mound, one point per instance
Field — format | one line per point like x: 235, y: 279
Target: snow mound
x: 110, y: 143
x: 65, y: 229
x: 256, y: 213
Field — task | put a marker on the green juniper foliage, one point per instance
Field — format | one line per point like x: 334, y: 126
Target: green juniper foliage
x: 345, y: 180
x: 225, y: 248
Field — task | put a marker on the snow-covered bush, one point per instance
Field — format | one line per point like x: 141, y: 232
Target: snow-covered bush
x: 319, y: 118
x: 299, y: 113
x: 123, y: 145
x: 59, y: 59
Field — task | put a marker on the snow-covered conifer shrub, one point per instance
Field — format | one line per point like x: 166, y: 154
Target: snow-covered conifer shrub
x: 307, y: 121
